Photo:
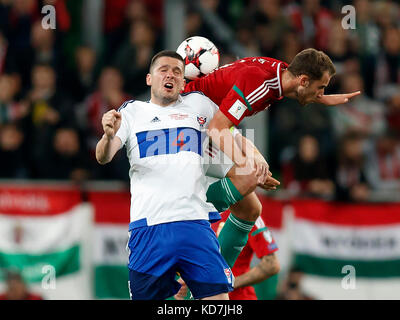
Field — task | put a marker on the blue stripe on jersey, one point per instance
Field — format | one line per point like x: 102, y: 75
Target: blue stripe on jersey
x: 124, y: 105
x: 169, y: 141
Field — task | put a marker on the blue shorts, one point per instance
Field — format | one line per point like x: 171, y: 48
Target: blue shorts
x: 191, y: 248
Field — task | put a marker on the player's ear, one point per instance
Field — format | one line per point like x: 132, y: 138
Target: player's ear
x: 183, y: 84
x: 148, y: 79
x: 304, y: 80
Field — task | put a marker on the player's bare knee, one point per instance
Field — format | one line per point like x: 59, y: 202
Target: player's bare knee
x: 254, y: 210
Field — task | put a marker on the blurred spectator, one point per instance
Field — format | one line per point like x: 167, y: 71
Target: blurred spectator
x: 393, y: 112
x: 338, y: 45
x: 383, y: 163
x: 291, y: 288
x: 388, y: 71
x: 268, y: 26
x: 312, y: 22
x: 67, y: 160
x: 109, y: 95
x: 49, y: 108
x: 133, y: 58
x: 308, y: 173
x: 195, y: 26
x: 17, y: 289
x: 360, y: 113
x: 43, y: 45
x: 12, y: 153
x: 291, y: 46
x: 120, y: 15
x: 245, y: 37
x: 350, y: 180
x: 113, y: 26
x: 10, y: 109
x: 339, y: 51
x: 365, y: 40
x: 386, y: 13
x: 49, y: 105
x: 289, y: 120
x: 21, y: 15
x: 81, y: 80
x: 4, y: 56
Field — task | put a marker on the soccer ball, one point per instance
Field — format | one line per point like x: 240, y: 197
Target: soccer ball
x: 201, y: 56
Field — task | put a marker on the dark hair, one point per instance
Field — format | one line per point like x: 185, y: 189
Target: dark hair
x: 166, y: 53
x: 312, y: 63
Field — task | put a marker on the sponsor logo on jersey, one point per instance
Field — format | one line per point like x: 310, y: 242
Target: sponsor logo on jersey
x: 178, y: 116
x: 155, y: 119
x: 237, y: 109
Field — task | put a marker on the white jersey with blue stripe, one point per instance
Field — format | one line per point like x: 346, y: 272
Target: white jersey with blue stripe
x: 165, y: 150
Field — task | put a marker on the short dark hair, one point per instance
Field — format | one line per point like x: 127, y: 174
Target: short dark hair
x: 312, y: 63
x: 166, y: 53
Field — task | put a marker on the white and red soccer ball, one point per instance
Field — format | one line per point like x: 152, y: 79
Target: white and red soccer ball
x: 201, y: 56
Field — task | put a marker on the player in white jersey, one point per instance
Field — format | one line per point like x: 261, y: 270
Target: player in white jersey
x: 170, y: 217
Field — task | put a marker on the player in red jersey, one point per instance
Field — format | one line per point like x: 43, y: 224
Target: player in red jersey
x: 248, y: 86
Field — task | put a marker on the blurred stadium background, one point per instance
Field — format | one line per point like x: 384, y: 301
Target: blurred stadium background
x: 64, y: 218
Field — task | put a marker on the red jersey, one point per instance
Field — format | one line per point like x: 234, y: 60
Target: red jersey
x: 261, y: 243
x: 244, y: 87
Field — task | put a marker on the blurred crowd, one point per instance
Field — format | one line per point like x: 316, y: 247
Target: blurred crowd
x: 54, y: 87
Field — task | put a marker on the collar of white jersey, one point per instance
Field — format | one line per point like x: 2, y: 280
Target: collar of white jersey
x: 178, y: 101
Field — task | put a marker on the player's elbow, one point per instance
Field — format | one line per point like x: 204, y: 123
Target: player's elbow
x: 270, y: 265
x: 275, y: 267
x: 102, y: 158
x: 102, y: 161
x: 219, y: 123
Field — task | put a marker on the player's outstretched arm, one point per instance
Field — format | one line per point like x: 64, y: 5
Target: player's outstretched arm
x: 109, y: 143
x: 335, y: 99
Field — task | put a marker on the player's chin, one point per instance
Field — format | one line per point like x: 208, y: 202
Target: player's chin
x: 170, y: 96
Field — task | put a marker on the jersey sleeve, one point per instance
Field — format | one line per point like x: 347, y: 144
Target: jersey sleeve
x: 261, y: 239
x: 249, y: 91
x: 124, y: 129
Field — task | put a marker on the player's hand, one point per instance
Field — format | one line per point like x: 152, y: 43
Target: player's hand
x: 270, y: 183
x: 334, y: 99
x: 182, y: 293
x: 262, y: 168
x: 111, y: 122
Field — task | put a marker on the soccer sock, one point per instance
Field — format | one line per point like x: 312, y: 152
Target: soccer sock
x: 233, y: 237
x: 222, y: 194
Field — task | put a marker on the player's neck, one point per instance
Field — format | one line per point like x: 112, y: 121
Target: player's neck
x: 163, y: 102
x: 289, y: 84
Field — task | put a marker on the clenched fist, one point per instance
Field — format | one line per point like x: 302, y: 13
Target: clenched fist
x: 111, y: 122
